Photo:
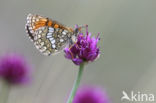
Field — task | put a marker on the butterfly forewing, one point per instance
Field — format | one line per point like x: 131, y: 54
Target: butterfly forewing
x: 48, y: 36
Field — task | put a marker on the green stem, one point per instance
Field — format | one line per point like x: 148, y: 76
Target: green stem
x: 5, y: 92
x: 76, y: 84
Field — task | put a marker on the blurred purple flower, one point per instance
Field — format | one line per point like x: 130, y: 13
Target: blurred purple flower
x: 84, y: 50
x: 14, y: 69
x: 90, y: 95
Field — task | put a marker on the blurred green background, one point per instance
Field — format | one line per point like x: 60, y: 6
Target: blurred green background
x: 128, y: 33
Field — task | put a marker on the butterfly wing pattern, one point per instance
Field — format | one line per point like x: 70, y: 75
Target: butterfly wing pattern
x: 48, y: 36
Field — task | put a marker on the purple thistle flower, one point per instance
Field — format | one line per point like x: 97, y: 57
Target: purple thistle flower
x: 90, y: 95
x: 14, y: 69
x: 84, y: 50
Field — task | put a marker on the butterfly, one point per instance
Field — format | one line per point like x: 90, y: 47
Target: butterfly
x: 49, y: 36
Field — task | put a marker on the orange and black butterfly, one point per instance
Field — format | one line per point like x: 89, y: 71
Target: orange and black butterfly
x: 49, y: 36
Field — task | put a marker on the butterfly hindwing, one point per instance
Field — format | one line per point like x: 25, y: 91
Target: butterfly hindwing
x: 48, y: 36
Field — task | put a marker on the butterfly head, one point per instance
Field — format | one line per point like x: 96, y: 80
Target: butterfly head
x: 78, y: 29
x: 76, y: 32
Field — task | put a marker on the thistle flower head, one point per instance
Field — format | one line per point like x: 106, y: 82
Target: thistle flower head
x: 14, y: 69
x: 90, y: 95
x: 84, y: 50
